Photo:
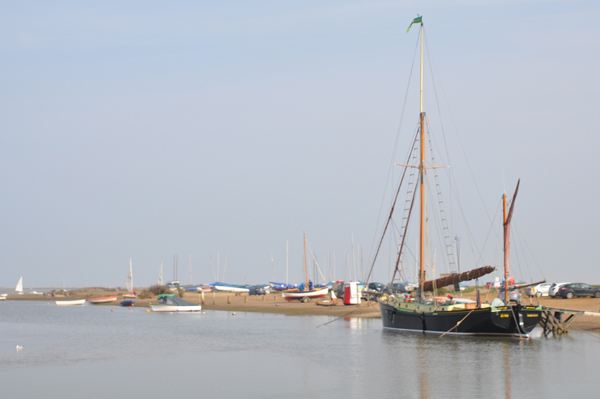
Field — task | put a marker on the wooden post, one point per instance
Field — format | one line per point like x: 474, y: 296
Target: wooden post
x: 213, y: 297
x: 263, y: 298
x: 245, y: 298
x: 228, y: 299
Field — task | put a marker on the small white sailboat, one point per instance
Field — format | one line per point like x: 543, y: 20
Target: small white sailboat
x: 71, y: 303
x: 129, y: 283
x: 305, y: 293
x: 19, y: 287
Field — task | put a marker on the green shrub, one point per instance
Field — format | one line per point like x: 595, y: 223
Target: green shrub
x: 158, y: 289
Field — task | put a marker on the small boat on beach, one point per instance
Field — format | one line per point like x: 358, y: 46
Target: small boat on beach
x: 304, y: 293
x: 128, y: 302
x: 172, y: 303
x: 129, y: 283
x: 105, y: 299
x: 71, y: 303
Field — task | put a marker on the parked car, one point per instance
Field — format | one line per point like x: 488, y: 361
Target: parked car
x: 538, y: 290
x: 256, y: 290
x: 578, y: 289
x: 555, y: 287
x: 514, y: 294
x: 370, y: 292
x: 398, y: 288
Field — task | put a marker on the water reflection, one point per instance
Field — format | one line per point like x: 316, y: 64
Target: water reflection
x: 101, y: 353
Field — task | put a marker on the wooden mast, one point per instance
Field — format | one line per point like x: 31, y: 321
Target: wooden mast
x: 422, y: 178
x: 506, y: 225
x: 305, y: 266
x: 506, y: 293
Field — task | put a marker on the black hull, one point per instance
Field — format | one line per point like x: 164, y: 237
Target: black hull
x: 514, y: 321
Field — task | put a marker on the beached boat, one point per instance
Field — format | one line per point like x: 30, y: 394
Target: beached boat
x: 128, y: 302
x: 304, y: 296
x: 74, y: 302
x: 305, y: 293
x: 105, y: 299
x: 129, y: 283
x: 423, y: 313
x: 217, y: 286
x: 172, y: 303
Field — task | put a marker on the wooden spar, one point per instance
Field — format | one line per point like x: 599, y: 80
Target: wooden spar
x: 506, y: 294
x: 456, y: 278
x: 422, y: 182
x: 507, y: 219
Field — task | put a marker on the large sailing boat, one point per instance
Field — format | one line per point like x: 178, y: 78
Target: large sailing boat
x: 429, y: 314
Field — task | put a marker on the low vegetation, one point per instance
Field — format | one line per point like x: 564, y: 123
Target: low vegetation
x: 154, y: 290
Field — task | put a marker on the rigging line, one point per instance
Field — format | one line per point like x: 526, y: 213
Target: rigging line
x: 457, y: 324
x: 522, y: 237
x: 315, y: 259
x: 432, y: 69
x: 346, y: 315
x: 488, y: 234
x: 447, y: 239
x: 391, y: 211
x: 471, y: 236
x: 453, y: 179
x: 390, y: 171
x: 439, y: 228
x: 404, y: 237
x: 516, y: 249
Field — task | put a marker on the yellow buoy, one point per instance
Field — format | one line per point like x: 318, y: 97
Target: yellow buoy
x: 147, y: 310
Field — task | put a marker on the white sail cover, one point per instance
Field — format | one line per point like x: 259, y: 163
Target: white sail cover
x: 19, y: 287
x: 129, y: 280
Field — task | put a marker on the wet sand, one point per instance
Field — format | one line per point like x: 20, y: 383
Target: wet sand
x: 274, y: 303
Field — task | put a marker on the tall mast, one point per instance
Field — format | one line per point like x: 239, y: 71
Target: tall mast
x: 506, y: 225
x: 305, y: 266
x: 506, y: 273
x: 422, y: 179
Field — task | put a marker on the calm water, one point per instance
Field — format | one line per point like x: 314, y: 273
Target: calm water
x: 115, y: 352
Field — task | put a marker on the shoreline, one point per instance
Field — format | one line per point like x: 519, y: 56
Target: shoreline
x: 274, y: 303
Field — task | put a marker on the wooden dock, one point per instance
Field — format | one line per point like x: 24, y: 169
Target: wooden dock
x: 557, y: 321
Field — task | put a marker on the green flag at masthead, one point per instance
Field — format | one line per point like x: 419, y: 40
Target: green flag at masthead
x: 417, y: 20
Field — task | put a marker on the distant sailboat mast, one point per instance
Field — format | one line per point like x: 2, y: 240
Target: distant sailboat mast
x: 129, y: 279
x: 160, y: 274
x: 19, y: 287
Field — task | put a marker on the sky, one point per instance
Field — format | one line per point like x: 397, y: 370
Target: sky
x: 224, y: 131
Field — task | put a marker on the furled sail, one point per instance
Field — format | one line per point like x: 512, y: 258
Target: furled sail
x: 457, y: 278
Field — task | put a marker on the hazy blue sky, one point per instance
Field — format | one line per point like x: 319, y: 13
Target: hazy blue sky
x: 146, y: 129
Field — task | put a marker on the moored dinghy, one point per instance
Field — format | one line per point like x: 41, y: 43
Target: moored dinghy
x: 106, y: 299
x: 71, y: 303
x: 172, y: 303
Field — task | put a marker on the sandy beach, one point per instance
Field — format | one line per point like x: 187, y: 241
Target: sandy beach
x: 274, y: 303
